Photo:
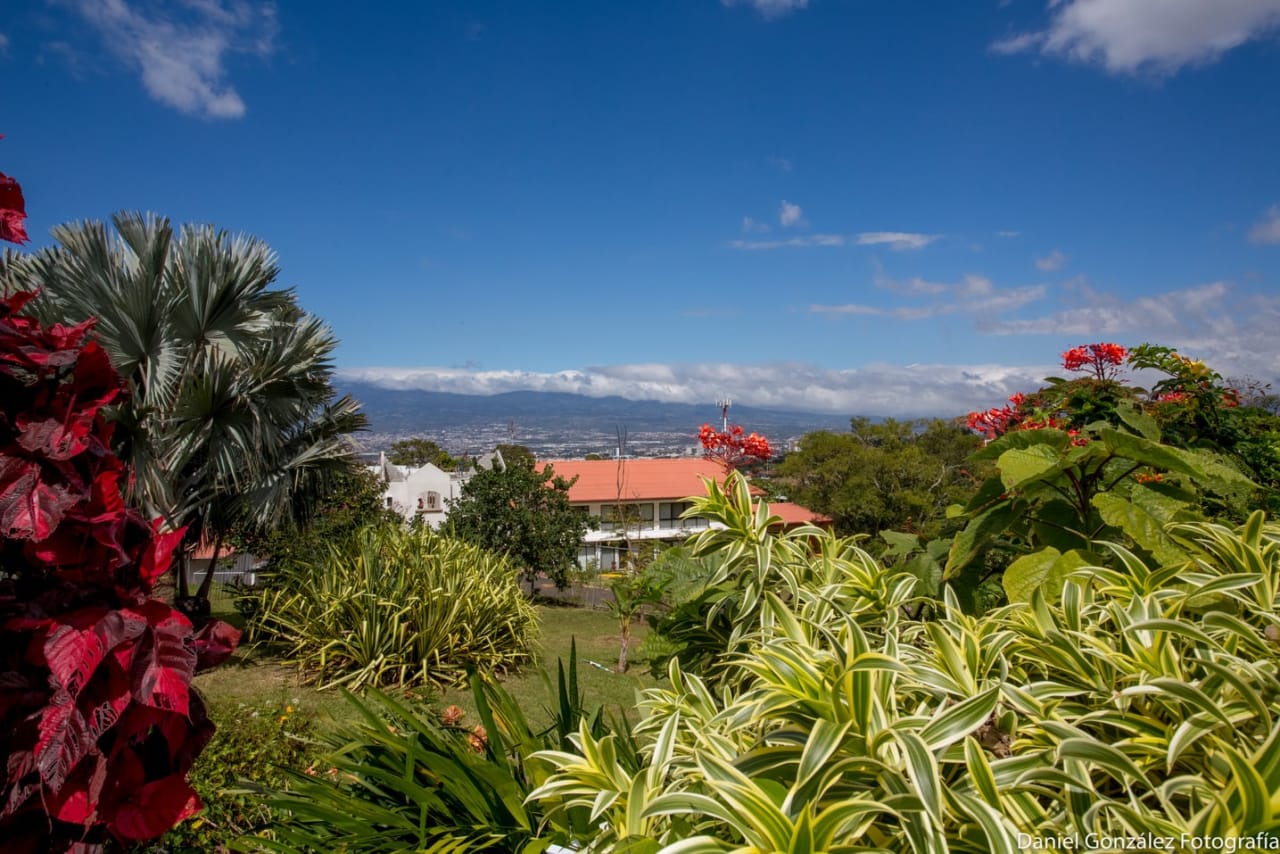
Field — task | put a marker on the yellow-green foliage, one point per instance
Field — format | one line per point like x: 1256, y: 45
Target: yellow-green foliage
x: 1140, y: 703
x: 395, y: 606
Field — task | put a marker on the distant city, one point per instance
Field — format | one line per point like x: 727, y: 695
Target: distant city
x: 566, y: 426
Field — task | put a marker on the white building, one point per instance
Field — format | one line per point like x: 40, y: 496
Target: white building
x: 425, y: 491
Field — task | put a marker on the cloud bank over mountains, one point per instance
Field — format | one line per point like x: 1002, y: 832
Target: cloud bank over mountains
x: 877, y: 389
x: 1232, y: 331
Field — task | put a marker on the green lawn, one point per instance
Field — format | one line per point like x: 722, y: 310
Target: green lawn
x: 597, y: 638
x: 253, y: 676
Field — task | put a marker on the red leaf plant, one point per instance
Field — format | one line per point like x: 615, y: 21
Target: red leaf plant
x: 13, y: 210
x: 731, y: 448
x: 98, y: 721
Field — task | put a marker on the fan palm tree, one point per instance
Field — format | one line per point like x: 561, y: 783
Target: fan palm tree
x: 231, y: 418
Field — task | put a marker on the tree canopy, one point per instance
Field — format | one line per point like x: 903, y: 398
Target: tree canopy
x: 524, y: 511
x: 898, y: 475
x: 419, y: 452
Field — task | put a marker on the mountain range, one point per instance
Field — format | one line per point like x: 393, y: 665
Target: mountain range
x: 560, y: 422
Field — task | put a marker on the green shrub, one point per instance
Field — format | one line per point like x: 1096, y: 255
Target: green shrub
x: 1138, y: 702
x: 255, y: 744
x: 396, y: 606
x: 407, y: 777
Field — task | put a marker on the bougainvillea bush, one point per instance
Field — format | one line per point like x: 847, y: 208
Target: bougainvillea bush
x: 98, y: 721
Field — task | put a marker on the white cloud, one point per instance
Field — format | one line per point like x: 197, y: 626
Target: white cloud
x: 973, y: 294
x: 1055, y: 260
x: 790, y: 214
x: 770, y: 8
x: 1132, y: 36
x: 1008, y: 234
x: 751, y: 226
x: 875, y: 389
x: 1267, y: 229
x: 781, y: 162
x: 1233, y: 332
x: 4, y: 45
x: 791, y: 242
x: 180, y: 54
x: 898, y: 241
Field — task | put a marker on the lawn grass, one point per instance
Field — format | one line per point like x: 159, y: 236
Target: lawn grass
x: 597, y: 637
x: 254, y: 676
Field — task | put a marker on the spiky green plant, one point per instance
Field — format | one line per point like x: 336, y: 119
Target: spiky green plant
x: 1141, y: 701
x: 407, y: 778
x: 398, y: 606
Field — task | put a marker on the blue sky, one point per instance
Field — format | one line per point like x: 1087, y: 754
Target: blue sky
x: 863, y: 206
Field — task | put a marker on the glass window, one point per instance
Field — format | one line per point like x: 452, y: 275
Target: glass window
x: 669, y: 516
x: 617, y: 517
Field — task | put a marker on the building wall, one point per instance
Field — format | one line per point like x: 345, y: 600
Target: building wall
x: 646, y: 521
x: 424, y: 493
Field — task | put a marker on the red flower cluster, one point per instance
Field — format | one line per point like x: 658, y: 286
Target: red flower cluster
x: 731, y: 448
x: 98, y: 722
x: 1102, y: 360
x: 996, y: 422
x: 13, y: 210
x: 1016, y: 415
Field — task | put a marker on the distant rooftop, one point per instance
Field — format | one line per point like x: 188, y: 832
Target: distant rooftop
x: 666, y: 479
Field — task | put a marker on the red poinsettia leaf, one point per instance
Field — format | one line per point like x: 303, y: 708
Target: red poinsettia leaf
x: 63, y: 740
x: 164, y: 660
x: 155, y: 808
x: 159, y: 553
x: 73, y: 804
x: 64, y: 337
x: 73, y: 651
x: 13, y: 211
x: 215, y: 642
x: 30, y: 509
x: 107, y: 698
x: 96, y: 381
x: 13, y: 303
x: 56, y: 438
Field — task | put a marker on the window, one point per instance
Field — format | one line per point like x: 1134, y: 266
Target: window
x: 620, y: 517
x: 669, y: 516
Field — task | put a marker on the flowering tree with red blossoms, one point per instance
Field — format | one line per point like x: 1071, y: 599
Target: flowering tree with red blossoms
x: 731, y: 448
x: 98, y: 720
x: 1102, y: 360
x: 1064, y: 405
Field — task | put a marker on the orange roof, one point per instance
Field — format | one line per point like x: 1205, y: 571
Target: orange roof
x: 642, y: 479
x: 793, y: 515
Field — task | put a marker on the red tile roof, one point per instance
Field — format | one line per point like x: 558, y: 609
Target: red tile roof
x: 794, y: 514
x: 642, y: 479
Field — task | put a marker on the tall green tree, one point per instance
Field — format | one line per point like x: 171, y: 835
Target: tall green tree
x: 524, y: 511
x: 231, y: 418
x: 418, y: 452
x: 899, y: 475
